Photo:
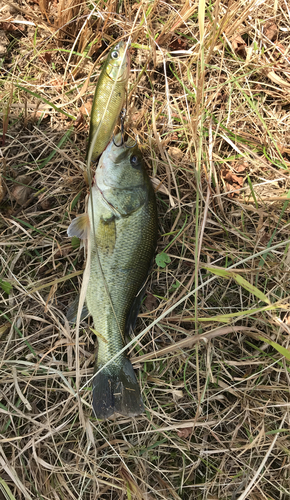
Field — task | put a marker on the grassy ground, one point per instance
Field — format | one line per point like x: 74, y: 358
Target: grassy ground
x: 209, y: 100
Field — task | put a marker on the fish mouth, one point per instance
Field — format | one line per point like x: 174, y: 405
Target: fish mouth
x: 112, y: 151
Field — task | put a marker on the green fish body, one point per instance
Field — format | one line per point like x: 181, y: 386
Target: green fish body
x: 123, y: 231
x: 108, y: 99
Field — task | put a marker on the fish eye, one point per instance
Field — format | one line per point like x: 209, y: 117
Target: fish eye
x: 115, y: 54
x: 134, y: 161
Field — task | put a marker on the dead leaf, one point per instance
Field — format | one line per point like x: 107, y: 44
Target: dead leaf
x: 86, y: 108
x: 57, y: 83
x: 276, y: 79
x: 45, y: 57
x: 178, y: 44
x: 6, y: 26
x: 241, y: 165
x: 21, y: 192
x: 232, y: 178
x: 185, y: 432
x: 233, y: 182
x: 281, y: 49
x: 45, y: 203
x: 233, y: 189
x: 175, y: 153
x: 239, y: 46
x: 265, y: 238
x: 150, y: 302
x: 271, y: 31
x: 177, y: 394
x: 79, y: 122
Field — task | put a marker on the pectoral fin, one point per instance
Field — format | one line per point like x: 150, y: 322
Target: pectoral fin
x: 79, y: 227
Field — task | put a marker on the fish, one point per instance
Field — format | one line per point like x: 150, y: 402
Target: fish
x: 122, y: 225
x: 108, y: 100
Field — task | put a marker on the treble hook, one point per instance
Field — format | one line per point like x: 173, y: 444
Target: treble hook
x: 133, y: 145
x: 122, y: 117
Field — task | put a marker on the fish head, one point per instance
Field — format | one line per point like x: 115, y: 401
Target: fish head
x: 118, y: 62
x: 121, y: 166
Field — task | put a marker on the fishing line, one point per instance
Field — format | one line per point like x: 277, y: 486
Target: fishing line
x: 91, y: 199
x: 91, y: 231
x: 87, y: 268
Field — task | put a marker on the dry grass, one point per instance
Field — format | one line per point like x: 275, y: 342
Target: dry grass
x: 210, y: 100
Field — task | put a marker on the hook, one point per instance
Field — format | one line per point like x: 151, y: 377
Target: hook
x: 133, y: 145
x: 122, y: 117
x: 118, y: 145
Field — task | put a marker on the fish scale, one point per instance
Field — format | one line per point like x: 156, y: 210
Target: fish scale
x: 123, y: 269
x: 122, y: 222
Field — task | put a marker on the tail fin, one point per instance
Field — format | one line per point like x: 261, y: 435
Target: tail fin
x: 116, y: 390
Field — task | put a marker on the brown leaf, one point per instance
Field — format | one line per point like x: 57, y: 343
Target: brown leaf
x: 45, y: 57
x: 265, y: 238
x: 239, y: 46
x: 6, y: 26
x: 175, y: 153
x: 184, y: 433
x: 45, y: 203
x: 150, y: 302
x: 178, y: 44
x: 241, y: 165
x: 240, y: 168
x: 21, y: 192
x: 232, y: 178
x: 86, y: 108
x: 57, y: 83
x: 281, y: 47
x: 79, y: 122
x: 233, y: 188
x: 271, y: 30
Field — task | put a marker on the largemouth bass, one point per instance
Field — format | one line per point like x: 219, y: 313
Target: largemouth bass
x: 122, y: 225
x: 108, y: 99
